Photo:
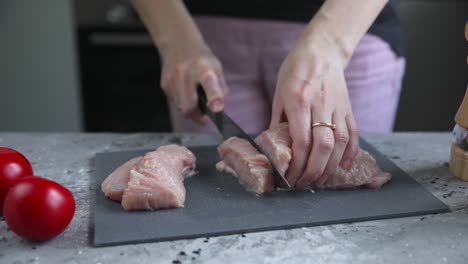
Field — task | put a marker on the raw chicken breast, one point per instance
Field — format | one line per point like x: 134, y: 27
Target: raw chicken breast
x: 240, y: 158
x: 157, y: 180
x: 364, y: 170
x: 113, y: 186
x: 154, y: 181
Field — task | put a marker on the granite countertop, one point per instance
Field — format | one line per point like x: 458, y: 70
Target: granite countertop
x: 67, y: 159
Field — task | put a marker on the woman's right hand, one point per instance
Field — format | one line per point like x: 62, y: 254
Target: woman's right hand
x: 186, y: 64
x: 186, y: 60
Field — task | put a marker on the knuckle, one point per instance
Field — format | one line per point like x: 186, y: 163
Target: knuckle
x: 326, y: 144
x: 165, y: 82
x: 207, y: 74
x: 302, y: 142
x: 320, y: 66
x: 180, y: 68
x: 201, y: 62
x: 185, y: 111
x: 164, y: 86
x: 167, y: 89
x: 341, y: 137
x: 299, y: 97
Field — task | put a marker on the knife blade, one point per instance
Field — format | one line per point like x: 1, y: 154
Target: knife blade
x: 228, y: 128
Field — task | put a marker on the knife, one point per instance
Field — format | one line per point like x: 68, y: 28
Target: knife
x: 228, y: 128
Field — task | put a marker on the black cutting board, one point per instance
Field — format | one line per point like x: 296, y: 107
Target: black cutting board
x: 216, y: 204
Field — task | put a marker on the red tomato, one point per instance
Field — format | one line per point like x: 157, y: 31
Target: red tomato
x: 13, y: 166
x: 38, y: 209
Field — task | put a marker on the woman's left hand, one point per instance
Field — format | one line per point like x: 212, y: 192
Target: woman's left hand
x: 311, y: 88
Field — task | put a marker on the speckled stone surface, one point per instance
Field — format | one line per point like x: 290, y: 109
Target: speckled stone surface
x: 67, y: 159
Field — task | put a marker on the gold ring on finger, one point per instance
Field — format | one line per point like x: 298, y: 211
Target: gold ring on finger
x: 325, y: 124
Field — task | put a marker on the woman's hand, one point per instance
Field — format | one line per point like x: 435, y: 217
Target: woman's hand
x: 185, y: 64
x: 186, y: 59
x: 311, y: 88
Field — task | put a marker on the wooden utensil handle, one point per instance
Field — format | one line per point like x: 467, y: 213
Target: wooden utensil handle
x: 462, y: 115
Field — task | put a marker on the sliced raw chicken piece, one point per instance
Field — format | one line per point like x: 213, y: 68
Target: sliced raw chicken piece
x: 114, y: 185
x: 240, y: 158
x: 276, y: 143
x: 154, y: 181
x: 364, y: 170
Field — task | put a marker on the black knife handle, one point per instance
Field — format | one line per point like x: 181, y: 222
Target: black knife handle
x: 202, y: 99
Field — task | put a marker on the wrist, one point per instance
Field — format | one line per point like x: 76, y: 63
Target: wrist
x: 343, y: 23
x: 323, y: 32
x: 178, y: 37
x: 169, y: 23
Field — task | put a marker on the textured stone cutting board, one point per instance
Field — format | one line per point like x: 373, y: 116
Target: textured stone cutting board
x: 216, y: 204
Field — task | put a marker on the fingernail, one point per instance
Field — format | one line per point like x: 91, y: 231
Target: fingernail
x: 217, y: 105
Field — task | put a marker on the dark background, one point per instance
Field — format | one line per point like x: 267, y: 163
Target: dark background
x: 436, y: 74
x: 89, y: 65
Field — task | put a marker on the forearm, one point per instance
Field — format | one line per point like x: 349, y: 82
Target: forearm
x: 167, y: 21
x: 344, y: 23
